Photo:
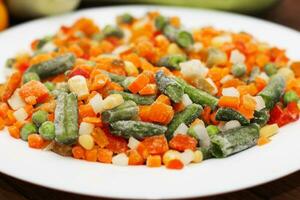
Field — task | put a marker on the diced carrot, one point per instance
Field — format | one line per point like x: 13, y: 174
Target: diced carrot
x: 196, y: 121
x: 116, y: 144
x: 78, y: 152
x: 248, y: 113
x: 142, y: 149
x: 134, y: 58
x: 105, y: 155
x: 247, y: 89
x: 174, y: 164
x: 182, y: 142
x: 3, y: 109
x: 100, y: 137
x: 179, y: 107
x: 10, y: 119
x: 93, y: 120
x: 135, y: 158
x: 161, y: 113
x: 144, y: 113
x: 36, y: 89
x: 149, y: 89
x: 99, y: 81
x: 262, y: 60
x: 156, y: 145
x: 175, y: 21
x: 146, y: 66
x: 233, y: 83
x: 19, y: 124
x: 163, y: 99
x: 75, y: 48
x: 86, y: 111
x: 2, y: 124
x: 262, y: 141
x: 29, y: 109
x: 14, y: 131
x: 91, y: 155
x: 139, y: 83
x: 154, y: 161
x: 295, y: 66
x: 59, y: 78
x: 11, y: 85
x: 206, y: 114
x: 213, y: 118
x: 35, y: 141
x: 248, y: 102
x: 260, y: 84
x: 51, y: 117
x: 227, y: 101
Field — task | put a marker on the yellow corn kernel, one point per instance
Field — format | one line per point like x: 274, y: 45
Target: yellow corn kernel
x: 268, y: 130
x: 112, y: 101
x: 174, y: 49
x: 131, y: 69
x: 171, y: 155
x: 78, y: 85
x: 286, y: 73
x: 86, y: 141
x: 198, y: 156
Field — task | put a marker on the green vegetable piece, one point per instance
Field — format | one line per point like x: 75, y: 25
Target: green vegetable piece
x: 26, y: 130
x: 170, y: 32
x: 270, y: 69
x: 184, y: 39
x: 238, y: 69
x: 128, y: 80
x: 205, y: 152
x: 273, y: 91
x: 261, y: 117
x: 43, y: 41
x: 228, y: 114
x: 234, y: 140
x: 54, y: 66
x: 39, y: 117
x: 290, y: 96
x: 253, y: 74
x: 126, y: 111
x: 138, y: 99
x: 47, y: 130
x: 160, y: 22
x: 198, y: 96
x: 169, y: 86
x: 212, y: 130
x: 98, y: 37
x: 113, y: 31
x: 187, y: 116
x: 49, y: 85
x: 29, y: 76
x: 215, y: 57
x: 115, y: 77
x: 172, y: 61
x: 66, y: 118
x: 136, y: 129
x: 125, y: 18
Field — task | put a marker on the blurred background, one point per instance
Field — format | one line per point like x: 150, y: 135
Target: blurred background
x: 287, y: 12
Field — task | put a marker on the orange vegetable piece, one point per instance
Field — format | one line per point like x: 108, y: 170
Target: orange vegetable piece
x: 227, y: 101
x: 93, y: 120
x: 99, y: 81
x: 134, y: 58
x: 11, y: 85
x: 182, y: 142
x: 116, y: 144
x: 163, y: 99
x: 248, y: 113
x: 105, y: 155
x: 78, y: 152
x: 179, y: 107
x: 144, y: 113
x: 139, y: 83
x: 156, y: 145
x: 153, y: 161
x: 233, y: 83
x: 262, y: 141
x: 36, y: 89
x: 14, y: 131
x: 141, y: 148
x: 135, y: 158
x: 35, y: 141
x: 161, y: 113
x: 86, y: 111
x: 206, y: 114
x: 2, y: 123
x: 149, y: 89
x: 91, y: 155
x: 248, y: 102
x: 260, y: 84
x: 100, y: 137
x: 296, y: 68
x: 10, y: 119
x: 174, y: 164
x: 3, y: 109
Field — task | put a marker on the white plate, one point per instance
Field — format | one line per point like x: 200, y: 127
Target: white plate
x: 249, y: 168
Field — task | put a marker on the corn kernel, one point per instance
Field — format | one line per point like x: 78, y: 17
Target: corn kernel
x: 171, y: 155
x: 174, y: 49
x: 198, y: 156
x: 268, y: 130
x: 131, y: 69
x: 86, y: 141
x: 78, y: 85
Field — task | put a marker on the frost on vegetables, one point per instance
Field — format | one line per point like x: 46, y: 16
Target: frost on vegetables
x: 148, y: 92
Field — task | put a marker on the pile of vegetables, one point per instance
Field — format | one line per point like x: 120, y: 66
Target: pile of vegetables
x: 148, y: 91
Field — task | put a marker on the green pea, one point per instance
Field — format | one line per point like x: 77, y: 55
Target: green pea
x: 114, y: 31
x: 26, y: 130
x: 47, y: 130
x: 290, y: 96
x: 29, y: 76
x: 212, y: 130
x: 238, y: 69
x: 184, y: 39
x: 39, y: 117
x: 270, y: 69
x: 50, y: 86
x: 160, y: 22
x: 126, y: 18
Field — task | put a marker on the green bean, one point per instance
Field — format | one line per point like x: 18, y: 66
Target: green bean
x: 126, y: 111
x: 290, y: 96
x: 41, y: 43
x: 187, y: 116
x: 113, y: 31
x: 184, y: 39
x: 172, y: 61
x: 270, y: 69
x: 30, y: 76
x: 136, y: 129
x: 169, y: 86
x: 253, y: 74
x: 160, y: 22
x: 26, y: 130
x: 49, y: 85
x: 115, y: 77
x: 138, y: 99
x: 39, y: 117
x: 228, y: 114
x: 238, y: 69
x: 261, y: 117
x: 205, y: 152
x: 47, y: 130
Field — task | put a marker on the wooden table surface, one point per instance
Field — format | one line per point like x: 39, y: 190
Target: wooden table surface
x: 287, y: 13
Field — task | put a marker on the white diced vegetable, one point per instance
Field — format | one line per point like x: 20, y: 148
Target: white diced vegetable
x: 260, y: 103
x: 186, y: 100
x: 97, y: 103
x: 286, y: 73
x: 202, y: 134
x: 221, y: 39
x: 268, y: 130
x: 231, y: 124
x: 121, y: 159
x: 86, y: 128
x: 264, y: 76
x: 230, y: 92
x: 198, y: 156
x: 78, y: 85
x: 133, y: 143
x: 181, y: 129
x: 213, y: 85
x: 121, y: 49
x: 197, y: 47
x: 193, y: 68
x: 15, y: 101
x: 237, y: 57
x: 226, y: 78
x: 127, y: 35
x: 187, y: 156
x: 171, y: 155
x: 20, y: 114
x: 86, y: 141
x: 112, y: 101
